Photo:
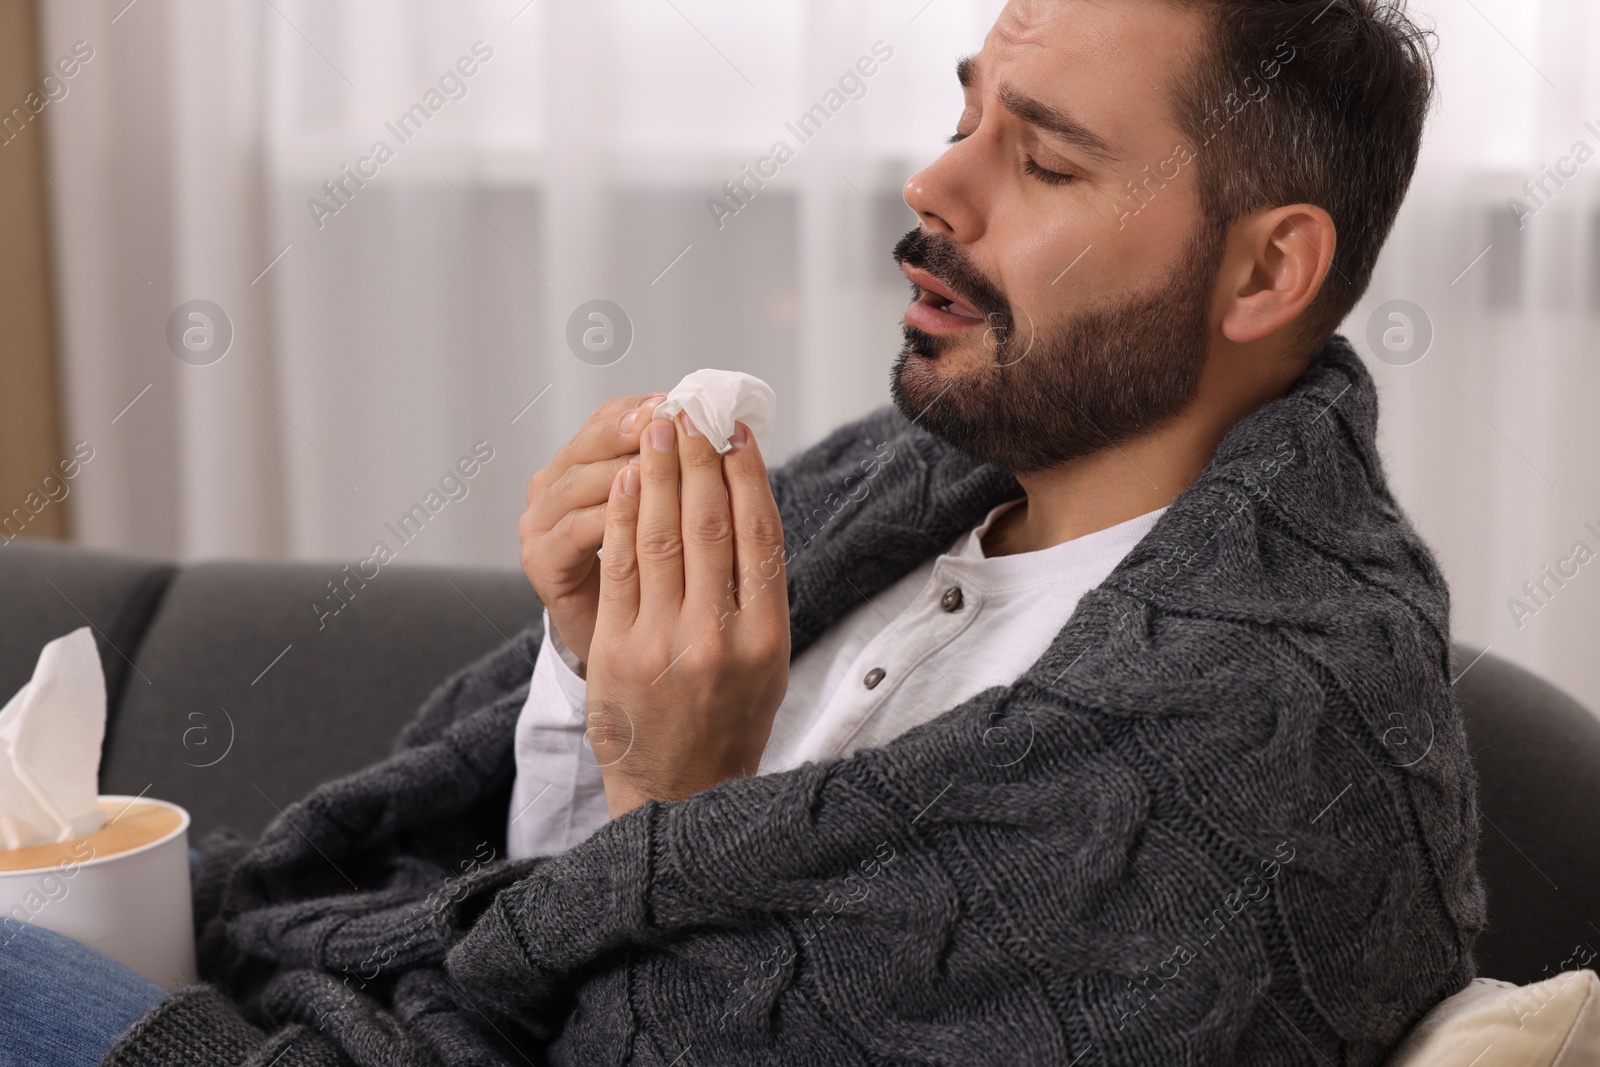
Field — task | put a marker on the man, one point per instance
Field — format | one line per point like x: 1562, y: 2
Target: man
x: 1089, y: 706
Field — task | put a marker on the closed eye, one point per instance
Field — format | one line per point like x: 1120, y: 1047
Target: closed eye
x: 1049, y: 177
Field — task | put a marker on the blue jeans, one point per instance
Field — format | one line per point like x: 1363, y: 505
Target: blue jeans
x: 61, y: 1004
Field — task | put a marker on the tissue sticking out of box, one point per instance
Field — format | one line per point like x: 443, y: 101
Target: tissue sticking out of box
x: 50, y: 736
x: 716, y: 399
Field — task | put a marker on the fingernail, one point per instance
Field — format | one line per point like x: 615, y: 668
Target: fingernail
x: 661, y: 436
x: 741, y: 436
x: 630, y: 481
x: 633, y: 460
x: 688, y: 425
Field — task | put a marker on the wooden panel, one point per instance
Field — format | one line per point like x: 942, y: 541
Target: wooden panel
x: 30, y: 419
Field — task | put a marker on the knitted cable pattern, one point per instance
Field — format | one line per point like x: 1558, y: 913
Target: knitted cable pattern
x: 1228, y: 817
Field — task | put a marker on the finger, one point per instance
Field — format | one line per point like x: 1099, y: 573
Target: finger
x: 589, y: 445
x: 582, y: 485
x: 707, y: 522
x: 611, y: 431
x: 660, y: 543
x: 619, y: 566
x: 576, y: 538
x: 562, y: 556
x: 757, y: 531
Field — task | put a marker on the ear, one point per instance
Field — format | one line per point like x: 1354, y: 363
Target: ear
x: 1275, y: 264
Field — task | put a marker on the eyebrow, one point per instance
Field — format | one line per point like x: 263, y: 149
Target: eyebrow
x: 1045, y: 116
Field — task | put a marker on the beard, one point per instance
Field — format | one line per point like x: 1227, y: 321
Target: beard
x: 1107, y: 375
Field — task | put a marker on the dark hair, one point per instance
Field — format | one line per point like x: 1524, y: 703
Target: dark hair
x: 1310, y: 101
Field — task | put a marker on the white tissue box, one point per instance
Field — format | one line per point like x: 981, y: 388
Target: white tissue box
x: 122, y: 890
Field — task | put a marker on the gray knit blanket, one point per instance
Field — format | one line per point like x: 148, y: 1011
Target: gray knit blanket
x: 1228, y: 817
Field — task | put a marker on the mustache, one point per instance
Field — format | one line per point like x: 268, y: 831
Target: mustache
x: 943, y: 258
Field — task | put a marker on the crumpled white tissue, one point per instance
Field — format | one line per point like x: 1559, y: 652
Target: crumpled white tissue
x: 50, y: 736
x: 716, y: 399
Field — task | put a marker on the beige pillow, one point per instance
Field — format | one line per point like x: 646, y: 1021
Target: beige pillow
x: 1554, y: 1023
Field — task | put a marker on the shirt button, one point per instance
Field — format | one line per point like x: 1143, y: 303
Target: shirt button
x: 951, y: 601
x: 874, y: 676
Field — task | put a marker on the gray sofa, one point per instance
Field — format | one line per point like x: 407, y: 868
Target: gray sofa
x: 231, y: 696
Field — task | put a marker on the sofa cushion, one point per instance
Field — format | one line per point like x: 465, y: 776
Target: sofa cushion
x: 1554, y: 1023
x: 51, y: 590
x: 254, y: 700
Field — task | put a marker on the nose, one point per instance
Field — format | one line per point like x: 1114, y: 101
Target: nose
x: 946, y: 194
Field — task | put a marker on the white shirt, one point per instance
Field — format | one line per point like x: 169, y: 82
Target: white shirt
x: 903, y: 658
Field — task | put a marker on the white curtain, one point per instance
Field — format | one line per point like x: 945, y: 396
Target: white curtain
x: 544, y: 154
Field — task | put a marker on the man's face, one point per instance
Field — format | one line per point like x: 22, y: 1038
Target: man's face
x: 1083, y: 305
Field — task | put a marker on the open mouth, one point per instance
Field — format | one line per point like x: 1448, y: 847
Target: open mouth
x: 937, y: 309
x: 952, y: 307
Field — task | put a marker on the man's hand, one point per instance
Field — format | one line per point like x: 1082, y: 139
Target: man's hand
x: 565, y: 520
x: 690, y: 658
